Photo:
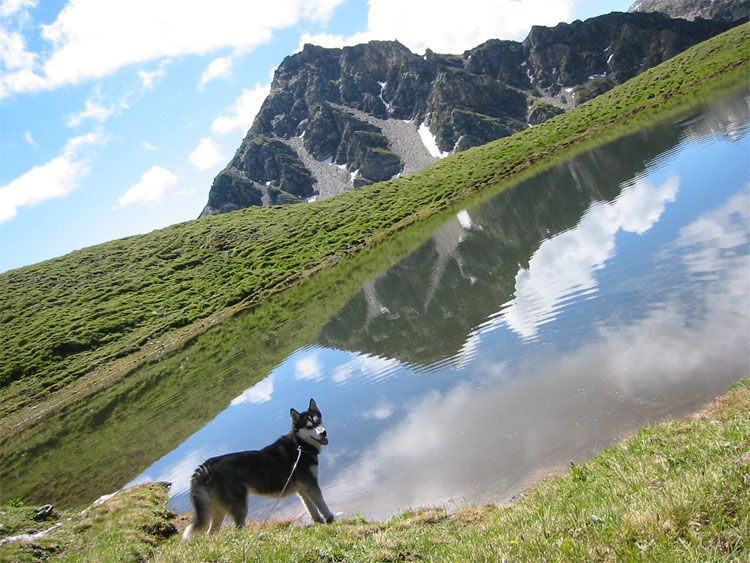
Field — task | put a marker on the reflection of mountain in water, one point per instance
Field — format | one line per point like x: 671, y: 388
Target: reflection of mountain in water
x: 424, y: 309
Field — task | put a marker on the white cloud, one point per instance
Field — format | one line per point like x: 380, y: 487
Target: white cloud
x: 21, y: 81
x: 207, y: 155
x: 148, y: 146
x: 148, y: 78
x: 243, y: 111
x: 327, y: 40
x: 219, y: 68
x: 450, y: 27
x: 11, y: 7
x: 13, y: 53
x: 91, y: 39
x: 56, y: 178
x: 151, y: 189
x: 259, y: 393
x: 93, y: 110
x: 29, y: 138
x: 308, y: 367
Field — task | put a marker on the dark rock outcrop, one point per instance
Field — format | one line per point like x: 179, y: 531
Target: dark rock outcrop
x: 334, y: 118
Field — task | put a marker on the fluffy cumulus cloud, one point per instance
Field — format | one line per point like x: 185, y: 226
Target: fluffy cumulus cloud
x: 207, y: 154
x: 243, y: 112
x: 151, y: 189
x: 218, y: 68
x: 13, y: 53
x: 56, y: 178
x: 91, y: 39
x: 421, y: 24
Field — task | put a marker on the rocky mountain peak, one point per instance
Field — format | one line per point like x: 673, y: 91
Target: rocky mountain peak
x: 339, y: 119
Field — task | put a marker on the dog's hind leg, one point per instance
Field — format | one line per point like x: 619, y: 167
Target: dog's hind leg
x: 238, y: 511
x: 218, y: 512
x: 202, y: 515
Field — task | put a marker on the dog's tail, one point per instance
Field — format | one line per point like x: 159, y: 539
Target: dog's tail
x: 201, y: 503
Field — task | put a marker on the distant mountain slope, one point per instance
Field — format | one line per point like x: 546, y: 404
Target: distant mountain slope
x: 728, y: 10
x: 338, y: 119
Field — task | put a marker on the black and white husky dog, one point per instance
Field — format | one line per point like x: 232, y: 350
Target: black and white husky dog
x: 221, y: 484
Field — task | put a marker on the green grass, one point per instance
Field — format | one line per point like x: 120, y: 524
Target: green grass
x: 677, y: 491
x: 127, y: 527
x: 80, y: 315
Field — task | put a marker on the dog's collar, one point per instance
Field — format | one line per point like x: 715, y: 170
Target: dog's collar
x: 306, y: 448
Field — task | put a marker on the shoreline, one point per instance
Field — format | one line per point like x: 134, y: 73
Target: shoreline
x: 607, y: 505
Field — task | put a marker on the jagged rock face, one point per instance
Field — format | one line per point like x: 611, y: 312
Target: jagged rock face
x: 595, y: 55
x: 727, y: 10
x: 334, y: 118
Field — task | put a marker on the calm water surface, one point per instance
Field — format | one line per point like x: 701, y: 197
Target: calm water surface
x: 535, y: 328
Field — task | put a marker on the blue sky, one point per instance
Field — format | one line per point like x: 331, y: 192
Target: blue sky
x: 115, y: 116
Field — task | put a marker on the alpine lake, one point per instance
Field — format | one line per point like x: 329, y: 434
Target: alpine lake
x: 469, y: 356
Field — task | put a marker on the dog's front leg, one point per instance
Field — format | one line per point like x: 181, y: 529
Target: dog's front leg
x: 311, y: 508
x: 317, y: 498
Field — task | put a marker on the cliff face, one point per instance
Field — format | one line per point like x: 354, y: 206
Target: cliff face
x: 338, y: 119
x: 728, y: 10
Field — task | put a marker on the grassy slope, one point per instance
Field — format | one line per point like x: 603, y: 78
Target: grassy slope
x: 678, y: 491
x: 65, y: 318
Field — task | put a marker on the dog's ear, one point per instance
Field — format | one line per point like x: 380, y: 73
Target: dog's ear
x: 295, y: 416
x: 313, y: 407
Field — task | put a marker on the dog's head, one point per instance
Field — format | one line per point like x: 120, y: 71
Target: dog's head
x: 308, y: 426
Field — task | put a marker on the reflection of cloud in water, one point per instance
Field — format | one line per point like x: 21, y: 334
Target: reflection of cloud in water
x: 564, y: 265
x: 470, y: 445
x: 309, y: 367
x: 259, y: 393
x: 179, y: 473
x: 381, y: 412
x: 365, y: 366
x: 717, y: 235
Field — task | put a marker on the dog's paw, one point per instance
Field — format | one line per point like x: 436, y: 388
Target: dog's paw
x: 329, y: 519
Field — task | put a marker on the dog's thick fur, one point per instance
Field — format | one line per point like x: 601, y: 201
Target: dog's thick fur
x: 221, y: 484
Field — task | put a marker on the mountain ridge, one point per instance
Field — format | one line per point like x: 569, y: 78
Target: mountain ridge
x: 729, y: 10
x: 339, y: 119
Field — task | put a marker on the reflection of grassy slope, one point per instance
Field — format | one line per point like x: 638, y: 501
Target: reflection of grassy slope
x: 64, y: 318
x: 103, y: 440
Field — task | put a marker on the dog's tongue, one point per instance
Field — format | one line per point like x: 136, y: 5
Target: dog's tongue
x: 324, y: 441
